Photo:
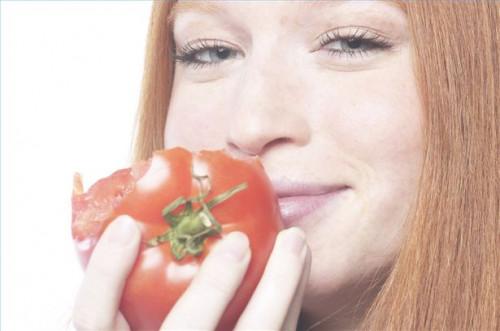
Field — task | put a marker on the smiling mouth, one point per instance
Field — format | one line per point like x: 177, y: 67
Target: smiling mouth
x: 298, y: 200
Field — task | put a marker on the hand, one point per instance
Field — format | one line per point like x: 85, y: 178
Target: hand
x: 97, y: 302
x: 275, y: 304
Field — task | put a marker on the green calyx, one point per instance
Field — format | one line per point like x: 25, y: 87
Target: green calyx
x: 189, y: 228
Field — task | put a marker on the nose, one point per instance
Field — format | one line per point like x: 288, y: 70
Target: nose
x: 268, y: 111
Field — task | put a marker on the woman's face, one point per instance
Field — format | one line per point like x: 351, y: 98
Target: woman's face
x: 324, y: 93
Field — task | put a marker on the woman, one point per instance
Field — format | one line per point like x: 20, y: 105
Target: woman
x: 388, y: 107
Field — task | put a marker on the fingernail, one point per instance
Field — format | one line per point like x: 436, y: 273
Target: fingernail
x: 233, y: 247
x: 121, y: 230
x: 294, y: 240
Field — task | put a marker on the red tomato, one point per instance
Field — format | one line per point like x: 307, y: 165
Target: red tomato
x: 180, y: 216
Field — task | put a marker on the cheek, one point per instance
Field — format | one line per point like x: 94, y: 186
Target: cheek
x: 196, y: 119
x: 372, y: 122
x: 372, y: 119
x: 383, y: 127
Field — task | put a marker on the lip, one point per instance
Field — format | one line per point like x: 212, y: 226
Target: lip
x: 297, y: 200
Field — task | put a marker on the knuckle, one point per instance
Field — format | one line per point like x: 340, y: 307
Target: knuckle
x: 217, y: 283
x: 221, y: 284
x: 283, y: 281
x: 103, y: 269
x: 284, y: 271
x: 109, y: 265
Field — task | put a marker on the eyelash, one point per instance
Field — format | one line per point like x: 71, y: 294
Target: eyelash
x: 186, y: 54
x: 374, y: 42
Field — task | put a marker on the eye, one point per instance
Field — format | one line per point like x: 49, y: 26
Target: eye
x: 353, y: 43
x: 203, y: 52
x: 213, y: 55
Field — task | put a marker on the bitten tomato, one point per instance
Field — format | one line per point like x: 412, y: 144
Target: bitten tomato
x: 183, y: 204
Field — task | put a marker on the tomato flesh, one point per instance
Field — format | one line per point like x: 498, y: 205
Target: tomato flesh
x: 158, y: 279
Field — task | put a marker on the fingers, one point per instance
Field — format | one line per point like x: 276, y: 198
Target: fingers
x: 292, y: 317
x: 204, y: 302
x: 97, y: 303
x: 279, y: 286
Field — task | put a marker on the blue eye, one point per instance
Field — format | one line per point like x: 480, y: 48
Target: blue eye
x: 200, y: 53
x: 357, y: 43
x: 213, y: 54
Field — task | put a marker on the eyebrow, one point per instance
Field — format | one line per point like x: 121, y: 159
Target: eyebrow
x: 196, y: 6
x: 206, y: 7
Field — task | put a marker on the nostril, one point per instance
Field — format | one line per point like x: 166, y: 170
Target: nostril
x: 279, y: 141
x: 238, y: 153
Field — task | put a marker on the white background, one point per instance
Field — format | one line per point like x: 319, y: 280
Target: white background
x: 70, y: 81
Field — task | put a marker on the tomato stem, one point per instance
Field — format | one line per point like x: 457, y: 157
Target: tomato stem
x: 189, y: 228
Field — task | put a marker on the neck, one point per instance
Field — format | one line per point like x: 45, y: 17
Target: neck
x: 345, y: 310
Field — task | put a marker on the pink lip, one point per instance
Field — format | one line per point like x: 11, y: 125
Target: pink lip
x: 297, y: 200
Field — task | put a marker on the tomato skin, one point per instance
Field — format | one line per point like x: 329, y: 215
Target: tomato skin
x: 157, y: 279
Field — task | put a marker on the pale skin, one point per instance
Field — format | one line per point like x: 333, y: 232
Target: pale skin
x: 322, y: 92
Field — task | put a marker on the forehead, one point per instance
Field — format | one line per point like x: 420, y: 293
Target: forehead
x: 223, y: 6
